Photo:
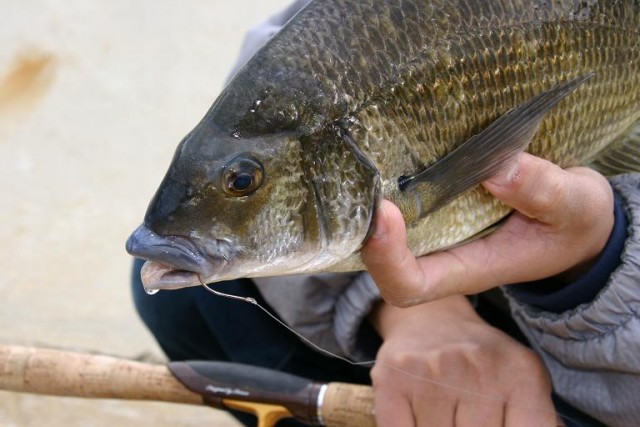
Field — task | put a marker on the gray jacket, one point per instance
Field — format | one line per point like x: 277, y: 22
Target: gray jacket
x: 592, y: 352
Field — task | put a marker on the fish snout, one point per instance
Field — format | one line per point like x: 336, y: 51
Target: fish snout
x: 174, y: 251
x: 173, y: 262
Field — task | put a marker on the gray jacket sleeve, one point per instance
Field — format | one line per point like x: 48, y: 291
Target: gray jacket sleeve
x: 327, y: 309
x: 593, y: 351
x: 259, y: 35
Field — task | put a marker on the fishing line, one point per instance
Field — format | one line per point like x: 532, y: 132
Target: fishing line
x: 369, y: 363
x: 250, y: 300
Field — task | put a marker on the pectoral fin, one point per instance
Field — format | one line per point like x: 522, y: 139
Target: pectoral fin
x: 481, y: 156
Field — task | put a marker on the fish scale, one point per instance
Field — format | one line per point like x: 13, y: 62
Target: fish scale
x: 444, y: 134
x: 359, y: 100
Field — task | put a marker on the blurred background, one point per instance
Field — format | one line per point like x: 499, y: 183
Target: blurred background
x: 94, y: 98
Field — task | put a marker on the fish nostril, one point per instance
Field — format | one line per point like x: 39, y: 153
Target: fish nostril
x: 172, y: 194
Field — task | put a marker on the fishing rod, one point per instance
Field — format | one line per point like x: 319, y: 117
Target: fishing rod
x: 268, y: 394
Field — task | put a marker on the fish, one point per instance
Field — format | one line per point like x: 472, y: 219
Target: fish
x: 415, y: 101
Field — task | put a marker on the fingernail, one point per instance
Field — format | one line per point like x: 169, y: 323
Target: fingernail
x: 507, y: 174
x: 380, y: 222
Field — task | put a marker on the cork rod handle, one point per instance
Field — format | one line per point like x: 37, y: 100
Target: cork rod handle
x: 61, y: 373
x: 348, y: 405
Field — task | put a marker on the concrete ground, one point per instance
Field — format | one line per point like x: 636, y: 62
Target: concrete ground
x: 94, y: 97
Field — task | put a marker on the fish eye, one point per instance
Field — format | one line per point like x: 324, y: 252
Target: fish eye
x: 242, y: 176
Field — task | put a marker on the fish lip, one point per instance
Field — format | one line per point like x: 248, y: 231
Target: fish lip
x: 155, y: 275
x: 174, y: 251
x: 174, y: 262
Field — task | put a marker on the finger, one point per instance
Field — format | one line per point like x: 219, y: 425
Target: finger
x: 541, y: 190
x: 434, y: 411
x: 532, y: 413
x: 405, y: 281
x: 392, y: 409
x: 530, y: 404
x: 389, y: 260
x: 481, y: 412
x: 512, y: 254
x: 576, y: 201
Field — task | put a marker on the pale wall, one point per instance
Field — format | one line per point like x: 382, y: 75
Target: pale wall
x: 94, y: 97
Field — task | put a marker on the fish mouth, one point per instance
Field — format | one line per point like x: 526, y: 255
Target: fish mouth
x: 174, y: 262
x: 155, y: 275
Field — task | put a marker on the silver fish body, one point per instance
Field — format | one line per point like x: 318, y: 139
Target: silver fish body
x: 283, y: 173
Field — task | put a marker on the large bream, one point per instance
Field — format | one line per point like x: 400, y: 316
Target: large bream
x: 417, y: 101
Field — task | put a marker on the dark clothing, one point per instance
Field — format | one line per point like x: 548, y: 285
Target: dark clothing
x: 193, y: 324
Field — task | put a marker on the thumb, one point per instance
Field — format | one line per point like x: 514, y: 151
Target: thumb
x: 389, y: 261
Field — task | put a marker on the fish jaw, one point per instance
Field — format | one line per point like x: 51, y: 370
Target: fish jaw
x: 175, y: 262
x: 160, y: 276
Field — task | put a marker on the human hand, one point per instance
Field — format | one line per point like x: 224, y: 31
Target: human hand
x: 562, y: 221
x: 441, y: 365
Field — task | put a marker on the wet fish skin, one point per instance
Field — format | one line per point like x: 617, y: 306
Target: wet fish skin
x: 353, y: 94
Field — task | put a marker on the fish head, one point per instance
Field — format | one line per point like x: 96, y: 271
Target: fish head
x: 232, y: 206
